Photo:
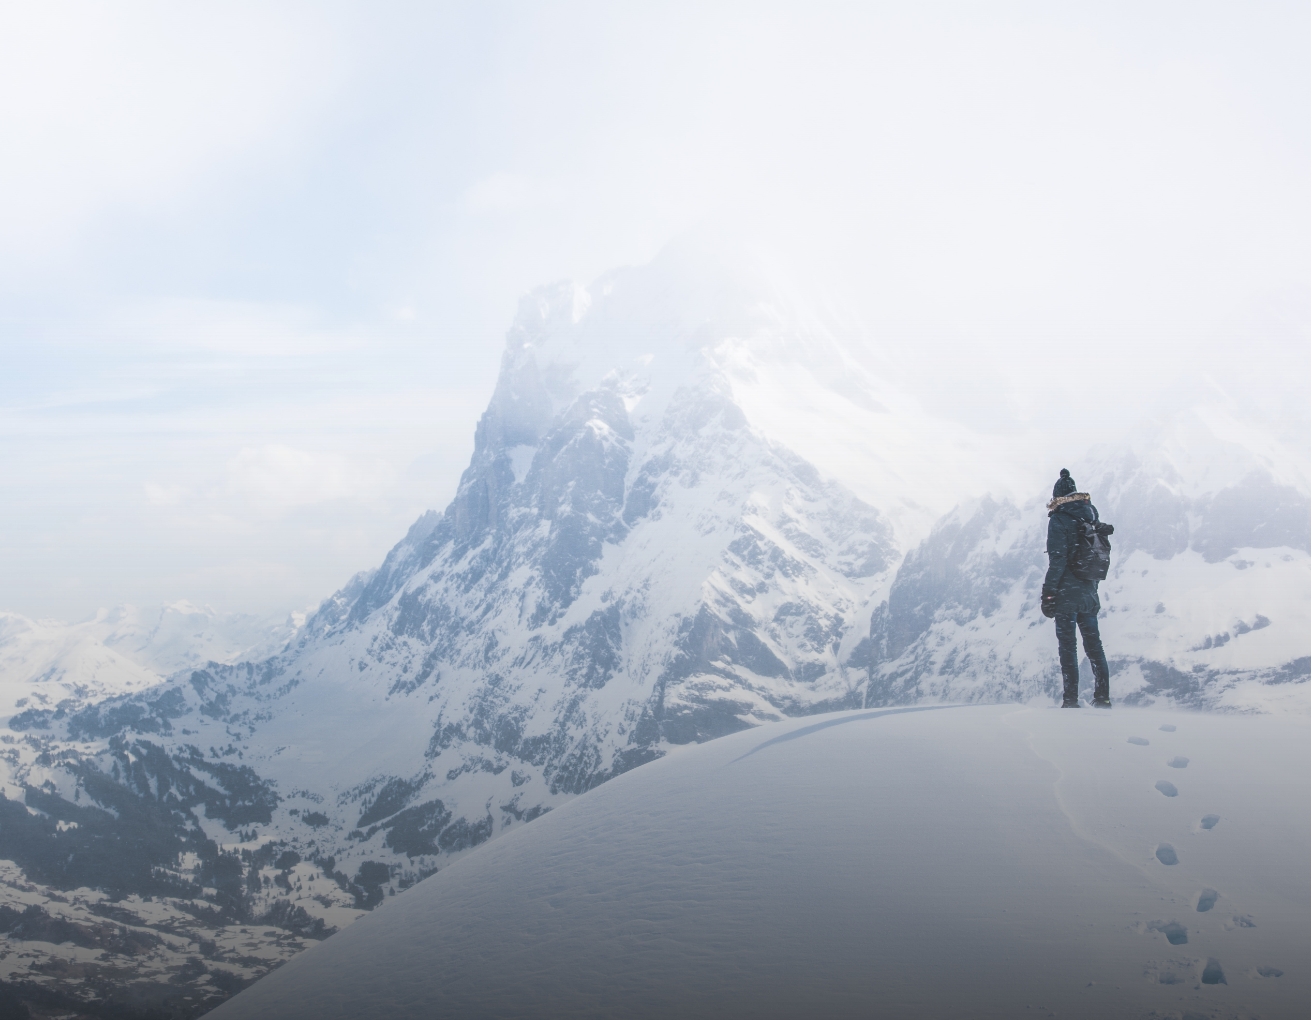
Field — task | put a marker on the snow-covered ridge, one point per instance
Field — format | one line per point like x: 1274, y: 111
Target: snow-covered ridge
x: 1146, y: 860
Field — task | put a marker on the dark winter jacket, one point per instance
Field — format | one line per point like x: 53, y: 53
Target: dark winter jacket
x: 1074, y: 595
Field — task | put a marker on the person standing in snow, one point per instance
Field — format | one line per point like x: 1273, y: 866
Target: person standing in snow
x: 1070, y: 600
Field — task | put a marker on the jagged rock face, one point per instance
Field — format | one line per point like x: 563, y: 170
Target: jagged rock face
x: 960, y: 572
x: 675, y: 576
x: 628, y: 565
x: 1206, y: 604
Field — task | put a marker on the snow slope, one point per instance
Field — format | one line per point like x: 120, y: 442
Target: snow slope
x: 919, y: 862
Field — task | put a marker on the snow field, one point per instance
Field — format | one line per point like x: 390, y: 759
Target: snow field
x: 1245, y: 612
x: 918, y: 862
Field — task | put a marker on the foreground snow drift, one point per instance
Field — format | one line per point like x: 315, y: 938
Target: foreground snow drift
x: 912, y: 862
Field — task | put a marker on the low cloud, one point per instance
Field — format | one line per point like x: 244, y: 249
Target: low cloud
x: 252, y: 329
x: 106, y: 107
x: 502, y: 193
x: 273, y: 478
x: 164, y: 495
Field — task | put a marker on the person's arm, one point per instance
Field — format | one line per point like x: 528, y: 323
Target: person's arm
x: 1059, y: 546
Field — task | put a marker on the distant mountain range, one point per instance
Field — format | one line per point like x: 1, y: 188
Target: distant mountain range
x: 689, y: 510
x: 124, y: 649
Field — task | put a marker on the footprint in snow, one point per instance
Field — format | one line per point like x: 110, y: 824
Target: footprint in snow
x: 1270, y: 972
x: 1178, y: 763
x: 1209, y: 821
x: 1212, y: 973
x: 1166, y: 728
x: 1137, y: 740
x: 1166, y: 789
x: 1166, y: 854
x: 1175, y: 932
x: 1206, y: 900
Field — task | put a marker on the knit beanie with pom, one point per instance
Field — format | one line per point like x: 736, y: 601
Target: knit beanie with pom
x: 1065, y: 485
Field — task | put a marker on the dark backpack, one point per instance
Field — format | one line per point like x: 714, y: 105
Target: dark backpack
x: 1091, y: 557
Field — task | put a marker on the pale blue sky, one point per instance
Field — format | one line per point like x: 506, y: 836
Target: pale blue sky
x: 256, y: 261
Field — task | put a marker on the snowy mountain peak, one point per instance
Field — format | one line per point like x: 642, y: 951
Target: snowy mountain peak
x: 644, y: 333
x: 630, y: 563
x: 690, y: 510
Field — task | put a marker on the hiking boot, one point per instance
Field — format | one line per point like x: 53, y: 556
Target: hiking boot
x: 1074, y: 704
x: 1102, y: 703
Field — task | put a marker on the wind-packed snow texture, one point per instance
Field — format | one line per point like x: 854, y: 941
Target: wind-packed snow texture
x: 933, y: 861
x: 690, y: 511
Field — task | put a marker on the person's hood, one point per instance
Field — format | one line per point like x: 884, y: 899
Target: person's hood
x: 1080, y: 509
x: 1060, y: 501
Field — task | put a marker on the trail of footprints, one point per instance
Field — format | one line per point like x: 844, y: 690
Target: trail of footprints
x: 1176, y: 933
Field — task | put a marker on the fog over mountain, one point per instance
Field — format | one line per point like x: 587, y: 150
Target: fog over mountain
x: 690, y: 510
x: 257, y: 263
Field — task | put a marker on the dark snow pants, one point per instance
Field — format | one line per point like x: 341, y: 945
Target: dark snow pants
x: 1070, y: 662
